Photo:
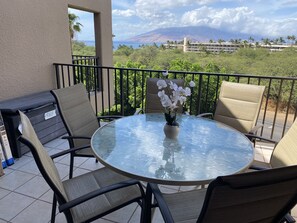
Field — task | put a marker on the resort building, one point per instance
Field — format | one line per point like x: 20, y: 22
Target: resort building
x: 218, y: 47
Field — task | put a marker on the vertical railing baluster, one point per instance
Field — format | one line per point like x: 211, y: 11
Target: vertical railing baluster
x: 69, y: 75
x: 108, y: 91
x: 142, y: 90
x: 191, y: 97
x: 217, y: 91
x: 63, y: 78
x: 95, y: 78
x: 135, y: 87
x: 58, y: 76
x: 266, y: 105
x: 206, y: 94
x: 198, y: 108
x: 127, y: 87
x: 87, y: 73
x: 276, y: 108
x: 288, y: 107
x: 122, y: 91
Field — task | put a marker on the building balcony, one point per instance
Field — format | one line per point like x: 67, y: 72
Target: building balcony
x: 25, y: 196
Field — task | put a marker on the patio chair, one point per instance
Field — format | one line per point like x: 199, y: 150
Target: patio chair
x: 260, y: 196
x: 86, y: 197
x: 238, y: 106
x: 284, y: 153
x: 152, y: 100
x: 79, y: 119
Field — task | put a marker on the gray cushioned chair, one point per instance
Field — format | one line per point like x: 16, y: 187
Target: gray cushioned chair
x: 86, y: 197
x: 238, y: 106
x: 260, y: 196
x: 152, y: 103
x: 79, y: 119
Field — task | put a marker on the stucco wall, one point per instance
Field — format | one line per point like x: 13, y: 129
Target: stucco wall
x: 34, y: 34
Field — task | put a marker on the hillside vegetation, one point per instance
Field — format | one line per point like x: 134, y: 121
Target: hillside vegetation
x: 244, y: 61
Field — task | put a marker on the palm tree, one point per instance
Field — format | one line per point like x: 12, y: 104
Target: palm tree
x: 281, y: 40
x: 251, y: 39
x: 293, y: 38
x: 221, y: 41
x: 288, y: 38
x: 245, y: 43
x: 266, y: 41
x: 74, y: 26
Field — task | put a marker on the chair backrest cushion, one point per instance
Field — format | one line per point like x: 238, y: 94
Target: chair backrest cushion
x: 76, y: 112
x: 153, y: 103
x: 260, y: 196
x: 44, y: 162
x: 285, y: 152
x: 239, y: 105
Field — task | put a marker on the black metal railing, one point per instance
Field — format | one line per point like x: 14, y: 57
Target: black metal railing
x: 85, y: 60
x: 85, y: 73
x: 124, y: 91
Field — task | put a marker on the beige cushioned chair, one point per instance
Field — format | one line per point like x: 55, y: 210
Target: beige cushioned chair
x: 238, y: 106
x: 262, y: 196
x: 285, y: 151
x: 79, y: 118
x: 152, y: 103
x: 86, y: 197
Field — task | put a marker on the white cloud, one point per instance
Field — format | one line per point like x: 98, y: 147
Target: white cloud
x: 125, y: 13
x: 255, y: 17
x: 240, y: 19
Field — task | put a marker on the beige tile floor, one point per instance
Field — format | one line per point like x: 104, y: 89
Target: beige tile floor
x: 26, y: 198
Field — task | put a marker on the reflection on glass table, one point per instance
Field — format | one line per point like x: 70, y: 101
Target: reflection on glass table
x: 136, y: 146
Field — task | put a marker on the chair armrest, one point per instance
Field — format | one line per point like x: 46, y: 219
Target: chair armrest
x: 138, y: 111
x: 68, y: 151
x: 90, y: 195
x: 108, y: 117
x: 71, y: 139
x: 166, y: 214
x: 205, y: 115
x: 288, y: 218
x: 255, y: 129
x: 252, y: 136
x: 75, y: 137
x: 253, y: 167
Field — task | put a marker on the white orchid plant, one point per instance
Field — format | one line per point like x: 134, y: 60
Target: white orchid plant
x: 173, y: 101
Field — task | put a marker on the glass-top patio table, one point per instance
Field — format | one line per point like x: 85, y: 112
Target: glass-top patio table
x: 136, y: 147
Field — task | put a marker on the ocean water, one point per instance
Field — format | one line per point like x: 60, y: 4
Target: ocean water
x: 116, y: 44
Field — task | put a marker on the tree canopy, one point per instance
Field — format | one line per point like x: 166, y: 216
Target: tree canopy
x: 74, y: 25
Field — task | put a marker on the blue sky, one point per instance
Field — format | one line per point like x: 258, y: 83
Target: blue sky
x: 255, y: 17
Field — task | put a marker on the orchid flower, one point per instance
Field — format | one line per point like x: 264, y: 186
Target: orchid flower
x: 165, y: 74
x: 177, y: 98
x: 161, y: 84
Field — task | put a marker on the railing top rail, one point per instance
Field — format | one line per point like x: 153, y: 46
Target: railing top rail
x: 180, y: 72
x: 83, y: 56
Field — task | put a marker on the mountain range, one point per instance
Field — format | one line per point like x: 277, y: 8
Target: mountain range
x: 193, y: 33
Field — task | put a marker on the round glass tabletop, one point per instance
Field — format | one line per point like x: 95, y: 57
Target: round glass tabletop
x: 136, y: 146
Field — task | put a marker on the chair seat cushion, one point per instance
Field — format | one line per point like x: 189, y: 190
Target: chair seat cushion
x: 88, y: 182
x: 185, y: 206
x: 261, y: 164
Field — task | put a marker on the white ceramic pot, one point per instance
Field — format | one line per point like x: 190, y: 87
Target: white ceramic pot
x: 171, y: 131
